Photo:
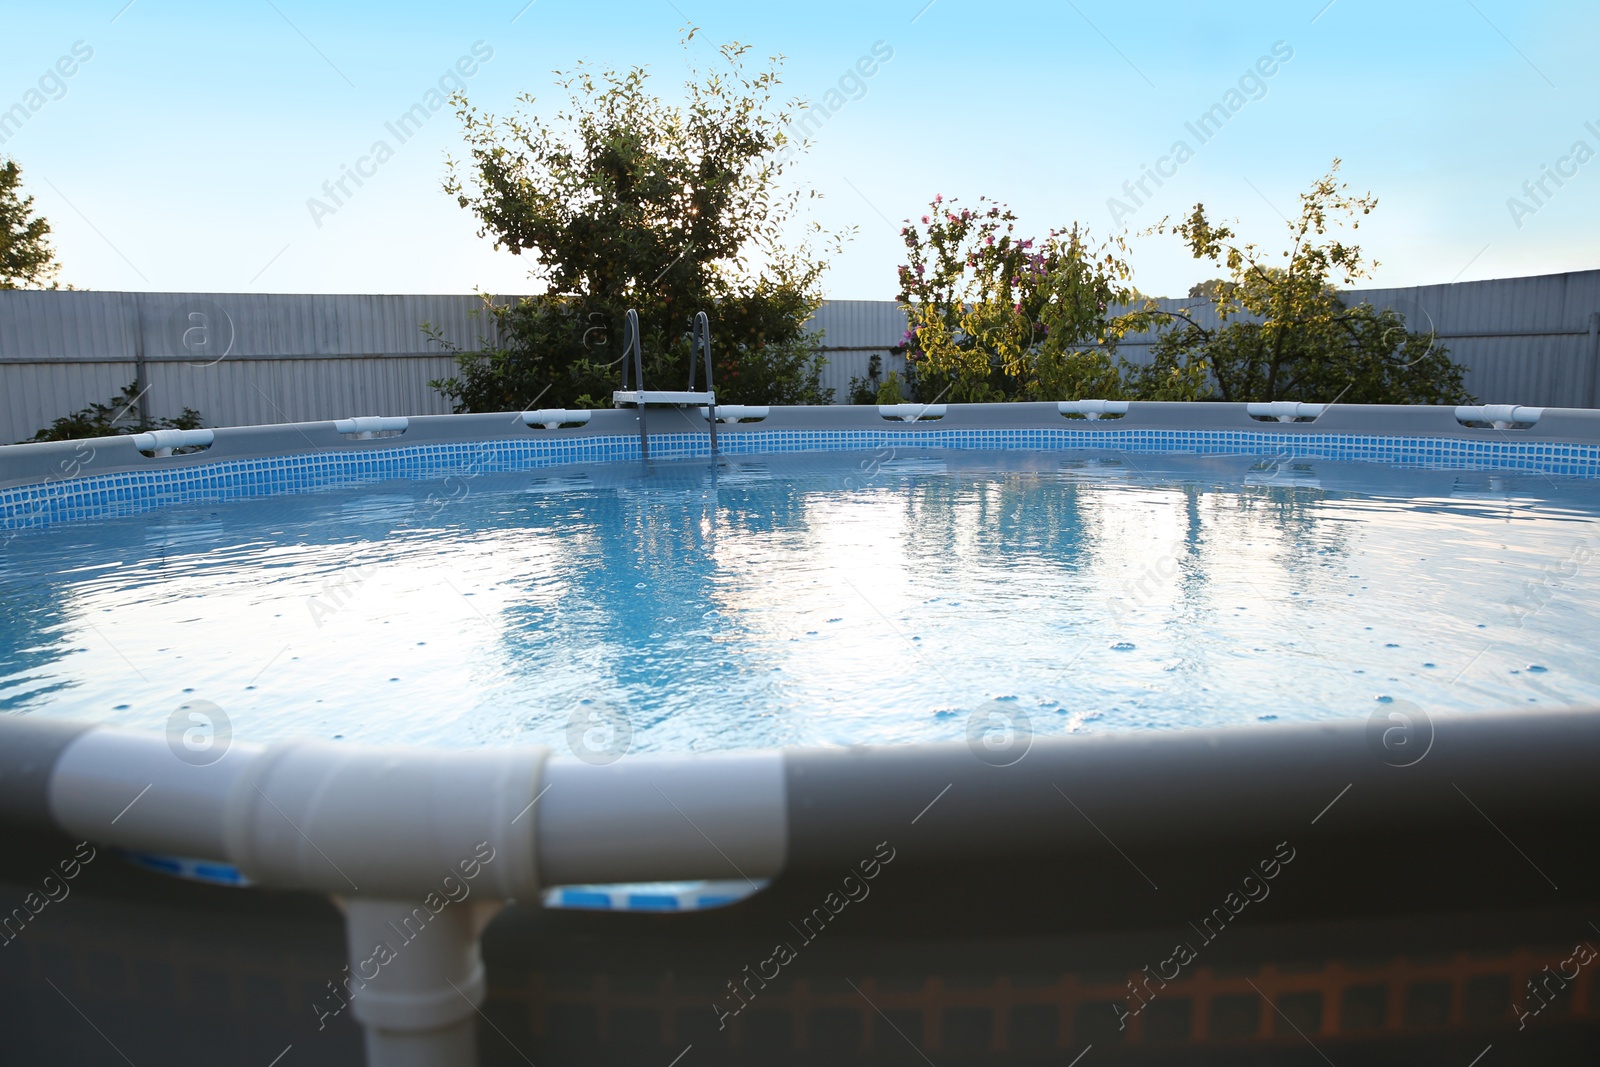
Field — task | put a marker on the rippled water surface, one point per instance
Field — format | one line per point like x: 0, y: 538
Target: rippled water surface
x: 807, y: 600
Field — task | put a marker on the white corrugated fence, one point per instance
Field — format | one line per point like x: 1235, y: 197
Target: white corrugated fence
x: 248, y: 359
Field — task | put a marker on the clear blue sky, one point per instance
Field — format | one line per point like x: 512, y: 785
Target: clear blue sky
x: 181, y: 155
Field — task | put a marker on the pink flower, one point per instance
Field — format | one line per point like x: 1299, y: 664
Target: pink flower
x: 988, y: 240
x: 937, y: 198
x: 924, y: 220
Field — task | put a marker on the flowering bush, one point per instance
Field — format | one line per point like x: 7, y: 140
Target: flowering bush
x: 994, y: 316
x: 997, y: 316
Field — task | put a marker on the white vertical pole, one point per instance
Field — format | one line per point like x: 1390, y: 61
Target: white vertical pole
x: 419, y: 1006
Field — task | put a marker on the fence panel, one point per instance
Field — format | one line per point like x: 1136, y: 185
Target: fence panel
x: 258, y: 358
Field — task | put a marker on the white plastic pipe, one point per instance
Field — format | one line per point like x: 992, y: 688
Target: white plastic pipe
x: 383, y: 821
x: 425, y: 844
x: 417, y: 979
x: 406, y: 836
x: 1092, y: 409
x: 365, y: 426
x: 1500, y: 416
x: 735, y: 412
x: 135, y: 791
x: 555, y: 418
x: 911, y: 412
x: 1285, y: 410
x: 162, y: 442
x: 386, y: 822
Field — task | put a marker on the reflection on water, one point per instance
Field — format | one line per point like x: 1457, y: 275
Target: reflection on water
x: 815, y: 600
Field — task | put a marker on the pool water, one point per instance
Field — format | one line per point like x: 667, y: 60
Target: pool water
x: 817, y: 600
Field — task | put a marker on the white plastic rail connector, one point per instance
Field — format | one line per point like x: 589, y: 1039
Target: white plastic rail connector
x: 1285, y: 410
x: 365, y: 426
x: 1500, y: 416
x: 555, y: 418
x: 1092, y: 409
x: 162, y: 442
x: 911, y: 412
x: 385, y: 821
x: 735, y: 412
x: 413, y: 840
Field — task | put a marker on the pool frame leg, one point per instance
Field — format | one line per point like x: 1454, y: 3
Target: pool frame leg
x: 417, y: 979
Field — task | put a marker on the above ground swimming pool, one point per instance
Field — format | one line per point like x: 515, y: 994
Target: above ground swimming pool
x: 840, y: 598
x: 1063, y: 682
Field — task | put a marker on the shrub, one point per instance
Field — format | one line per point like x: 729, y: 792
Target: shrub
x: 1284, y: 332
x: 625, y: 201
x: 119, y: 415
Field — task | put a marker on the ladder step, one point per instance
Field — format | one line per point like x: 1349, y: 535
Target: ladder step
x: 661, y: 396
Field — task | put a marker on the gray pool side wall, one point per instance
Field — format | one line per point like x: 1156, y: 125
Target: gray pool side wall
x: 66, y: 460
x: 28, y: 758
x: 1187, y: 789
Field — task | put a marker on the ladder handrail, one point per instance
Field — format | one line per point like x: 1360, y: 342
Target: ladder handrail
x: 630, y: 346
x: 630, y: 341
x: 700, y: 342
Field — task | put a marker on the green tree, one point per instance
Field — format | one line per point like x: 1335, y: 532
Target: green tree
x: 626, y: 201
x: 26, y: 259
x: 995, y: 316
x: 1284, y: 332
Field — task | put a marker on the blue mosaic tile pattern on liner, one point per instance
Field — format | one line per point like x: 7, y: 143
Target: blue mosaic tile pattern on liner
x: 102, y: 496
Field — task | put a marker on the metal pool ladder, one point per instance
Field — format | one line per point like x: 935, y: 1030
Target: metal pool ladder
x: 700, y: 347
